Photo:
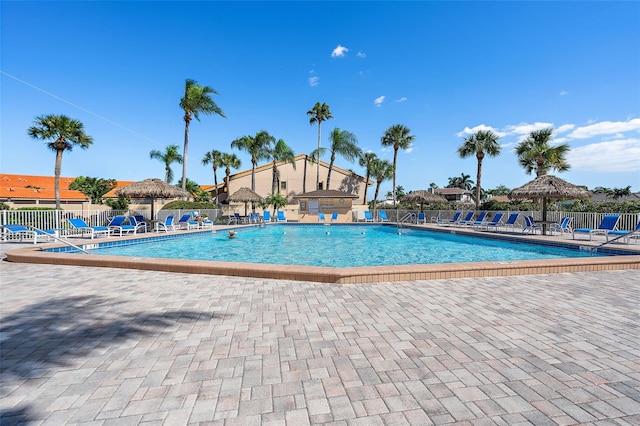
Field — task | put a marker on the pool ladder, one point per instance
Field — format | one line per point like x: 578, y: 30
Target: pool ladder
x: 55, y: 237
x: 593, y: 249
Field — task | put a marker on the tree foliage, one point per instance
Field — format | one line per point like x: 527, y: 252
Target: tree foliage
x: 94, y: 188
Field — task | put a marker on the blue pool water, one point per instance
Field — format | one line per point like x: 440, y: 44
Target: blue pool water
x: 339, y: 246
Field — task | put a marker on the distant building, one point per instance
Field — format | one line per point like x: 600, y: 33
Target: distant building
x: 39, y: 191
x: 294, y: 181
x: 457, y: 195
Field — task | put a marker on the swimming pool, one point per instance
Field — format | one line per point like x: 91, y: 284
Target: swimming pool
x: 340, y: 246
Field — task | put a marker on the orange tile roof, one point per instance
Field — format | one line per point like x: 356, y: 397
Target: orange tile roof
x: 40, y: 187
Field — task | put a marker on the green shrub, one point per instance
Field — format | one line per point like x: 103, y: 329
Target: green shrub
x: 188, y: 205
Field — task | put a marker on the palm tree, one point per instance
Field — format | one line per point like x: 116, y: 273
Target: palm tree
x: 536, y: 154
x: 318, y: 114
x: 229, y: 161
x: 345, y: 144
x: 365, y: 161
x: 197, y: 99
x: 280, y: 152
x: 213, y: 157
x: 63, y: 133
x: 169, y: 156
x: 483, y: 142
x: 381, y: 170
x: 463, y: 182
x: 398, y: 137
x: 258, y: 147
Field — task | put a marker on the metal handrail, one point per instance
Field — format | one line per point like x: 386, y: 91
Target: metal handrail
x: 407, y: 216
x: 58, y: 239
x: 593, y: 249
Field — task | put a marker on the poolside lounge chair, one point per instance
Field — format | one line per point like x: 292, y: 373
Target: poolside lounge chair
x: 266, y: 216
x: 81, y: 225
x: 530, y: 225
x: 367, y: 216
x: 117, y: 226
x: 467, y: 220
x: 140, y: 226
x: 185, y: 222
x: 564, y: 227
x: 321, y: 217
x: 480, y: 220
x: 281, y: 216
x: 254, y: 218
x: 609, y: 223
x: 493, y: 223
x: 382, y: 215
x: 422, y: 218
x: 334, y: 217
x: 22, y: 232
x: 627, y: 235
x: 167, y: 225
x: 452, y: 221
x: 511, y: 221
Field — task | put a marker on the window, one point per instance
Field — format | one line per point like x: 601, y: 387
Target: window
x: 283, y: 185
x: 320, y: 185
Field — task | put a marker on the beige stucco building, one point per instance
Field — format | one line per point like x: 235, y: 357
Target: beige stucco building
x: 296, y: 181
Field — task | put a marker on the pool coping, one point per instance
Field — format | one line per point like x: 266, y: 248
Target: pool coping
x: 347, y: 275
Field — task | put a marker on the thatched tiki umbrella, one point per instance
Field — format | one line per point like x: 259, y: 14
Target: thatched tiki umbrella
x: 548, y: 187
x: 151, y: 188
x: 423, y: 196
x: 245, y: 195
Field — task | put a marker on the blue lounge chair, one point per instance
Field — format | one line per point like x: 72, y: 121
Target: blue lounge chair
x: 382, y: 215
x: 480, y: 220
x: 564, y: 227
x: 530, y: 225
x: 493, y: 223
x: 467, y: 220
x: 511, y: 221
x: 452, y: 221
x: 254, y: 218
x: 266, y: 216
x: 367, y: 216
x: 167, y: 225
x: 422, y: 218
x: 22, y: 232
x: 321, y: 217
x: 81, y: 225
x: 609, y: 223
x: 139, y: 226
x: 281, y: 216
x: 334, y: 217
x: 627, y: 235
x: 185, y: 222
x: 118, y: 227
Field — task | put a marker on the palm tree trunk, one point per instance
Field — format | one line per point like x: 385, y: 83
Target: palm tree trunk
x: 478, y: 177
x: 333, y: 158
x: 304, y: 176
x: 253, y: 175
x: 187, y: 119
x: 56, y: 172
x: 318, y: 159
x: 274, y: 178
x: 375, y: 197
x: 366, y: 188
x: 395, y: 156
x: 215, y: 182
x: 166, y: 173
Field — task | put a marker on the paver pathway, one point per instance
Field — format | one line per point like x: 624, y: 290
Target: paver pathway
x: 113, y: 346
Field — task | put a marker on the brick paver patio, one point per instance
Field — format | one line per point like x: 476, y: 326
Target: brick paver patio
x: 115, y: 346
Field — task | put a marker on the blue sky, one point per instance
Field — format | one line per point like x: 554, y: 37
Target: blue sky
x: 444, y: 69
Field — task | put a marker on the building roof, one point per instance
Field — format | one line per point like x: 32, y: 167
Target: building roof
x: 326, y: 193
x: 451, y: 191
x: 28, y: 187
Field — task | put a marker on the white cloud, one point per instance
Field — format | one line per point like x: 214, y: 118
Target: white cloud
x: 622, y: 155
x: 339, y: 51
x: 526, y: 128
x: 378, y: 101
x: 409, y: 150
x: 605, y: 128
x: 402, y: 99
x: 361, y: 55
x: 313, y: 81
x: 565, y: 128
x: 483, y: 127
x: 563, y: 93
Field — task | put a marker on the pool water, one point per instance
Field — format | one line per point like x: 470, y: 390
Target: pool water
x: 340, y: 246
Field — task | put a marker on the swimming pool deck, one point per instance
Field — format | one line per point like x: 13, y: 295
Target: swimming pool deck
x: 112, y: 346
x: 352, y: 275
